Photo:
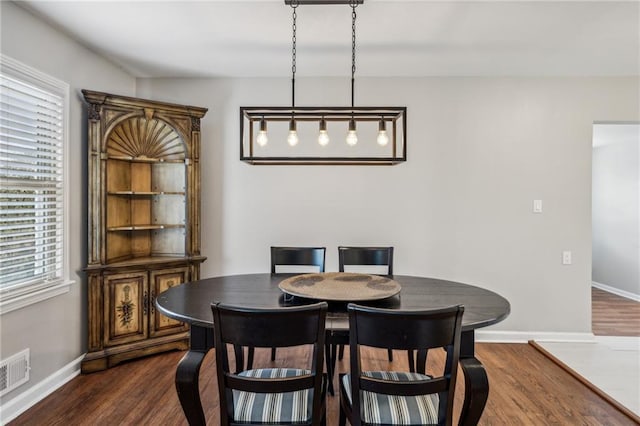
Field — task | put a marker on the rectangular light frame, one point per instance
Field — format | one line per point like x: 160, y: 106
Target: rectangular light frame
x: 322, y: 2
x: 395, y: 117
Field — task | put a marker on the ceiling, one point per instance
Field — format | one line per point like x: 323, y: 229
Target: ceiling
x: 394, y: 37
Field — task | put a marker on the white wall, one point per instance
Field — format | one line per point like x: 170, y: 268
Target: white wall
x: 479, y: 151
x: 55, y: 330
x: 616, y: 209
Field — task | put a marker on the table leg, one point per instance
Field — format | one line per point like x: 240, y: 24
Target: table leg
x: 476, y: 391
x: 331, y: 351
x: 476, y: 383
x: 188, y: 374
x: 333, y: 340
x: 187, y: 387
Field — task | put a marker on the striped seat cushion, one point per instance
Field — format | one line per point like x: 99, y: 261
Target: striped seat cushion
x: 289, y: 407
x: 379, y: 409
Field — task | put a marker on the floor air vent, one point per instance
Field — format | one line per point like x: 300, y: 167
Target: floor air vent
x: 14, y: 371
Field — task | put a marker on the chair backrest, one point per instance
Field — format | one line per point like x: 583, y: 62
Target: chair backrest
x: 406, y: 330
x: 297, y: 259
x: 376, y: 260
x: 270, y: 328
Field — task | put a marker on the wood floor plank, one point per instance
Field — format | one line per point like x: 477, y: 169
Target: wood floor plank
x: 613, y: 315
x: 525, y: 389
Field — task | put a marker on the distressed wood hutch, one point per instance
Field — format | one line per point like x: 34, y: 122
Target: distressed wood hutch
x: 143, y: 224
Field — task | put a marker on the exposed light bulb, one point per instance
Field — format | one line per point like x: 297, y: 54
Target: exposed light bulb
x: 292, y: 139
x: 262, y: 137
x: 383, y: 138
x: 352, y: 136
x: 323, y: 136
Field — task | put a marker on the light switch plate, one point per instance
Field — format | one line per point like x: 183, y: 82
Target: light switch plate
x: 537, y: 206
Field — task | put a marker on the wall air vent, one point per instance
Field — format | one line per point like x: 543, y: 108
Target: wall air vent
x: 14, y: 371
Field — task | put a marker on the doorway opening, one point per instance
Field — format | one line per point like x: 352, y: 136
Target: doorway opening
x: 616, y: 229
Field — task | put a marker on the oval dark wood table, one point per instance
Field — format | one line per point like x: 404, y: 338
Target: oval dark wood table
x: 191, y: 302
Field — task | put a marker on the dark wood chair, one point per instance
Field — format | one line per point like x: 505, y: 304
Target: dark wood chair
x: 384, y: 397
x: 367, y: 257
x: 297, y: 259
x: 270, y: 395
x: 292, y: 260
x: 361, y: 259
x: 368, y: 260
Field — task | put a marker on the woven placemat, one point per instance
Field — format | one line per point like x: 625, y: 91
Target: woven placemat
x: 340, y: 286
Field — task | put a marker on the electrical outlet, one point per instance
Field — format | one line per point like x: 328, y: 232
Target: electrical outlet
x: 566, y: 257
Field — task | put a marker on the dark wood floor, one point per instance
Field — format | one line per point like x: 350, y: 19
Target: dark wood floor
x: 613, y: 315
x: 526, y: 389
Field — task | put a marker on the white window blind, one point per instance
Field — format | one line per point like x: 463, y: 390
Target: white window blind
x: 32, y: 125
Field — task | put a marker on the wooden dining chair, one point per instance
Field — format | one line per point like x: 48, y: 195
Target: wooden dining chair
x: 293, y: 260
x: 297, y: 259
x: 400, y: 397
x: 367, y: 260
x: 271, y: 395
x: 373, y: 260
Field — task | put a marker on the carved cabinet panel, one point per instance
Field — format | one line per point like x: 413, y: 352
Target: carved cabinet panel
x: 126, y: 306
x: 161, y: 281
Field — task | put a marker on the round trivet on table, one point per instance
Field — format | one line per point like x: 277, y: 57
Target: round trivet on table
x: 340, y: 286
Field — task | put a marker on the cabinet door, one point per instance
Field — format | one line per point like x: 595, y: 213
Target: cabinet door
x: 161, y: 281
x: 126, y: 304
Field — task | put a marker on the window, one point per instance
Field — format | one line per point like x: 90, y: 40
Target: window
x: 33, y: 116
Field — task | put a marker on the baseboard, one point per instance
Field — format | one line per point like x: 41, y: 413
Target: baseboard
x: 616, y: 291
x: 39, y: 391
x: 491, y: 336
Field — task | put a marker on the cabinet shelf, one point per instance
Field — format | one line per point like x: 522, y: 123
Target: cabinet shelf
x: 144, y: 227
x: 143, y: 193
x: 143, y: 159
x: 144, y: 263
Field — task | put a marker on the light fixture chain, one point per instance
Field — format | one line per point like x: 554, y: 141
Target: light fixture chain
x: 353, y: 48
x: 293, y: 44
x: 353, y: 41
x: 294, y: 5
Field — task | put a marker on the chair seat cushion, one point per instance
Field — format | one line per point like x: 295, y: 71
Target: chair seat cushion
x: 288, y: 407
x: 378, y: 409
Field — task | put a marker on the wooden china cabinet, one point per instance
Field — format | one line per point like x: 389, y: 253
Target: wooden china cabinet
x: 143, y: 224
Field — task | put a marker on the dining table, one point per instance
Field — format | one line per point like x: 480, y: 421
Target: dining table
x: 191, y: 303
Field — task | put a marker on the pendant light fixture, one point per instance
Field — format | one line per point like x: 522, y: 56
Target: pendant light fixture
x: 352, y: 136
x: 390, y: 147
x: 292, y: 138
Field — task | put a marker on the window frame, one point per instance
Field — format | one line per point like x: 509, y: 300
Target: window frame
x: 25, y: 294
